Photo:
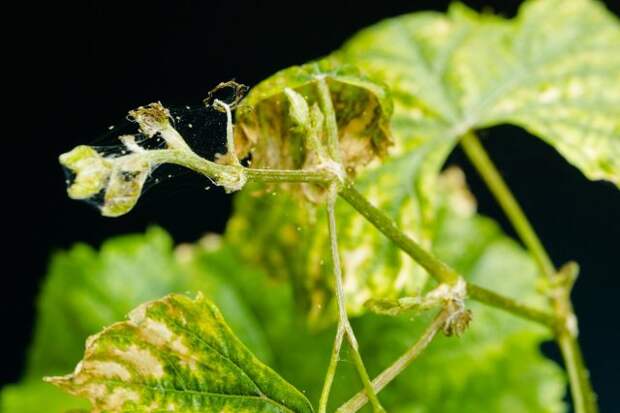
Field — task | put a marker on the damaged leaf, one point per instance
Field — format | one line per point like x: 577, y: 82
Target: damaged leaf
x: 177, y: 354
x: 553, y: 70
x: 272, y: 119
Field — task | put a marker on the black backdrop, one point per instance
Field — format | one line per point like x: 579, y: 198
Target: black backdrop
x: 79, y: 68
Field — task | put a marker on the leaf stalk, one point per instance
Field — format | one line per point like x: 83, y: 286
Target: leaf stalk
x: 360, y: 399
x: 344, y: 326
x: 584, y: 398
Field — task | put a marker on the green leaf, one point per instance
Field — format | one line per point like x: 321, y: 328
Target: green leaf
x: 553, y: 70
x: 177, y: 354
x: 268, y: 119
x: 86, y: 290
x: 35, y: 396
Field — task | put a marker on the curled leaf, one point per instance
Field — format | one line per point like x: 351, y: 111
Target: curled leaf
x: 125, y: 185
x: 277, y: 114
x: 118, y: 181
x: 91, y: 171
x: 152, y: 118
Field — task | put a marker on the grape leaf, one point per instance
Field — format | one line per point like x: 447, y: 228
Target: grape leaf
x: 177, y: 354
x: 495, y: 366
x: 554, y: 70
x: 86, y: 290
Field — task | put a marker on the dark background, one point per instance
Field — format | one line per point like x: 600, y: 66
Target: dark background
x: 79, y: 68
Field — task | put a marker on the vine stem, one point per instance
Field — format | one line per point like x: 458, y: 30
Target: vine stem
x: 331, y: 370
x: 441, y: 271
x: 360, y: 399
x: 344, y: 326
x: 375, y: 216
x: 584, y: 398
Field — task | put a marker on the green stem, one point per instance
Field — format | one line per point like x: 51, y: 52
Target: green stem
x: 494, y: 299
x: 286, y: 175
x: 343, y: 318
x: 360, y: 399
x: 216, y: 171
x: 331, y: 370
x: 491, y: 176
x: 584, y: 398
x: 441, y: 271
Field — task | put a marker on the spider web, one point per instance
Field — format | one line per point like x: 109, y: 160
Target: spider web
x: 202, y: 126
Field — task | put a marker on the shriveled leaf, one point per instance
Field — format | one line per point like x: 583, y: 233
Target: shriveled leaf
x: 86, y: 290
x: 177, y: 354
x: 274, y: 118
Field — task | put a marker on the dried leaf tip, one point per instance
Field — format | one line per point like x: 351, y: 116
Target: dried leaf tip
x: 151, y: 119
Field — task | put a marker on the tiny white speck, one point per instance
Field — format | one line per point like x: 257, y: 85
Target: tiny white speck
x: 549, y: 95
x: 575, y: 89
x: 111, y: 127
x: 189, y: 125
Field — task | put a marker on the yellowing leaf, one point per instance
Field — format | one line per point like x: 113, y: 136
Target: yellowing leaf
x: 177, y: 354
x: 554, y: 70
